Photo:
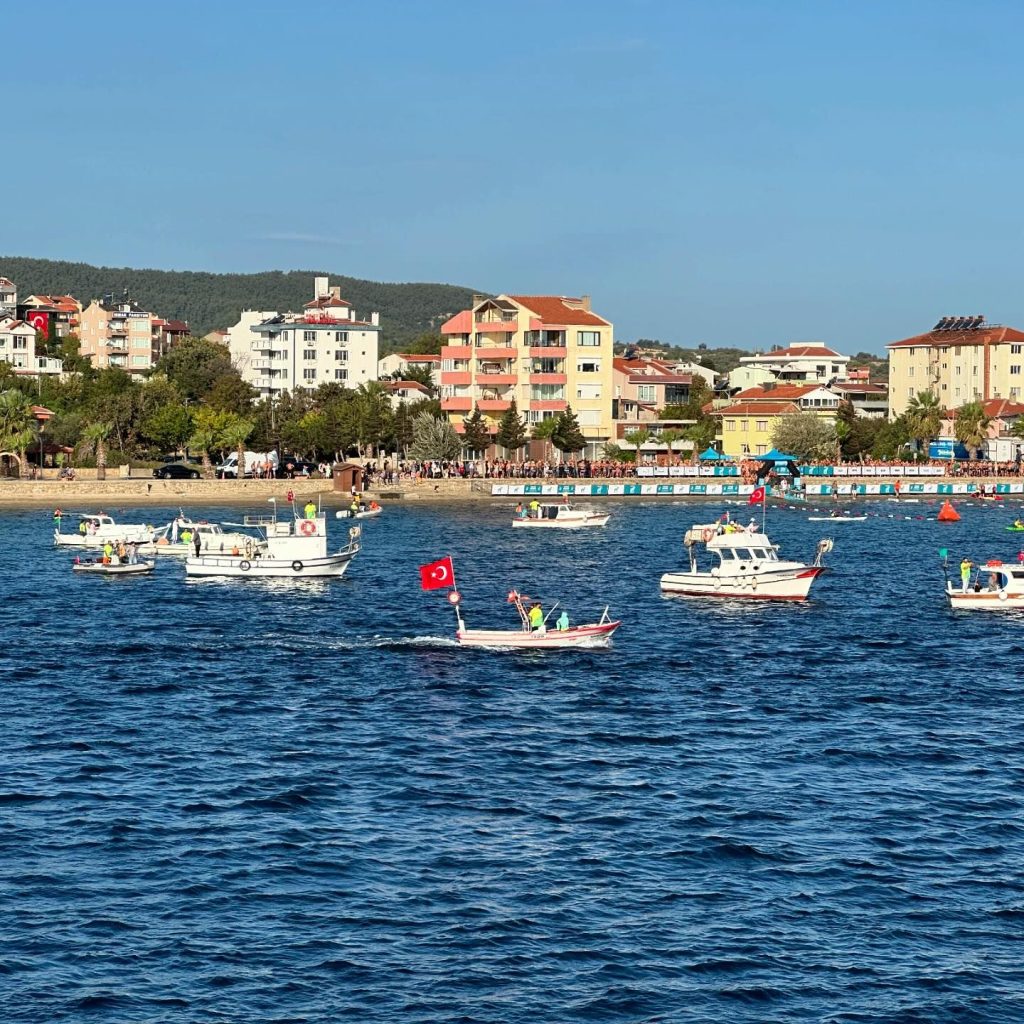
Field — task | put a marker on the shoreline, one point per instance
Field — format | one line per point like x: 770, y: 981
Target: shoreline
x: 148, y: 491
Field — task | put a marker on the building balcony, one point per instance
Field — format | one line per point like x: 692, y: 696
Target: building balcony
x: 494, y: 404
x: 496, y: 326
x: 490, y: 352
x: 548, y: 378
x: 266, y: 383
x: 548, y: 404
x: 456, y: 378
x: 457, y: 404
x: 496, y: 380
x: 262, y: 364
x: 116, y: 346
x: 456, y: 352
x: 548, y: 352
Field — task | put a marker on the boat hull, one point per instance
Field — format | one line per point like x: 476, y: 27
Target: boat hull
x: 98, y: 569
x: 561, y: 524
x: 788, y: 585
x: 984, y: 600
x: 593, y: 635
x: 326, y: 567
x: 130, y: 535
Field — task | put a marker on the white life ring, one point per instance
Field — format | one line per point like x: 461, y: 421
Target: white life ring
x: 308, y: 527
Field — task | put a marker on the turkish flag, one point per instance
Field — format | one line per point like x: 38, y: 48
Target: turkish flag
x: 756, y: 495
x: 40, y: 321
x: 437, y: 575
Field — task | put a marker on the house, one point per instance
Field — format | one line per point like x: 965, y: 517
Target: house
x: 793, y: 364
x: 119, y: 333
x: 749, y: 420
x: 56, y: 316
x: 407, y: 391
x: 399, y: 363
x: 18, y: 348
x: 867, y: 399
x: 642, y: 389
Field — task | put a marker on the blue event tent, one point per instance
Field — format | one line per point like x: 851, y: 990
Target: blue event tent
x: 712, y: 456
x: 774, y: 456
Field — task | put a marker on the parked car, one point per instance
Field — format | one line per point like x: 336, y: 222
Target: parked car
x: 176, y: 471
x: 193, y: 459
x: 291, y: 467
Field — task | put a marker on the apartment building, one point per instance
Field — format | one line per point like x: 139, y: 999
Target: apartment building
x: 642, y: 390
x: 18, y: 348
x: 398, y: 364
x: 8, y: 298
x: 325, y: 343
x: 121, y: 334
x: 545, y: 351
x: 959, y: 360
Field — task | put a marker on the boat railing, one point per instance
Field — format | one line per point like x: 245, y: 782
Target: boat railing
x: 259, y: 520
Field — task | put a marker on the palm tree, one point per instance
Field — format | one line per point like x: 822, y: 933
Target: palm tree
x: 234, y: 433
x: 95, y: 440
x: 924, y: 417
x: 670, y: 437
x: 207, y: 435
x: 971, y: 426
x: 16, y: 422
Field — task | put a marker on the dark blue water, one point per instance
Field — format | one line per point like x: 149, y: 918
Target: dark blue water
x: 228, y: 802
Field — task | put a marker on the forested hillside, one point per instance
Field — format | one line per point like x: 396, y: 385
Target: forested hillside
x: 209, y: 301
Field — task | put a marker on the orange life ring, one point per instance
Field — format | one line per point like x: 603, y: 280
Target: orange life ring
x: 308, y: 527
x: 708, y: 534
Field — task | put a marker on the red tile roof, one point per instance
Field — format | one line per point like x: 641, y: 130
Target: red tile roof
x: 177, y: 326
x: 757, y: 409
x: 992, y: 335
x: 663, y: 374
x: 60, y: 303
x: 789, y: 392
x: 404, y: 385
x: 852, y: 385
x: 326, y: 301
x: 461, y: 323
x: 553, y: 309
x: 995, y: 408
x: 419, y: 357
x: 798, y: 351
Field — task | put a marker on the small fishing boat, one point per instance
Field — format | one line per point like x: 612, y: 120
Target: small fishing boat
x: 365, y: 512
x: 293, y: 548
x: 836, y: 519
x: 178, y: 538
x: 113, y: 568
x: 595, y: 634
x: 747, y: 567
x: 996, y: 586
x: 558, y: 515
x: 95, y: 529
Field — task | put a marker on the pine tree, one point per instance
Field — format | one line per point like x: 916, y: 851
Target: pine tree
x: 475, y: 435
x: 511, y: 429
x: 568, y: 437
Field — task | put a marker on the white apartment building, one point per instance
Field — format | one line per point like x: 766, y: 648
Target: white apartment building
x: 18, y: 347
x: 8, y: 298
x: 277, y: 352
x: 795, y: 364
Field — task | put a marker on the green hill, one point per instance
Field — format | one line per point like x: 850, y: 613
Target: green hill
x: 208, y: 301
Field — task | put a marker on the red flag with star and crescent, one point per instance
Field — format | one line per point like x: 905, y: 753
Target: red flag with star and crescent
x: 438, y: 574
x: 756, y: 495
x: 39, y: 320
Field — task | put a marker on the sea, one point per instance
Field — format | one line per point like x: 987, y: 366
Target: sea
x: 228, y: 801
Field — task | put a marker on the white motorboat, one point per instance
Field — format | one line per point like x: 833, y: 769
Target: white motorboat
x: 997, y: 586
x: 365, y: 512
x: 115, y: 567
x: 293, y: 548
x: 595, y: 634
x: 178, y: 538
x: 747, y: 566
x: 558, y: 515
x: 94, y: 530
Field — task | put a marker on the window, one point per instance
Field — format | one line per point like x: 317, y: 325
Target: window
x: 340, y: 374
x: 589, y: 417
x: 547, y: 392
x: 820, y: 369
x: 19, y: 343
x: 1015, y: 392
x: 287, y: 335
x: 956, y: 392
x: 974, y: 372
x: 958, y: 369
x: 943, y: 387
x: 835, y: 368
x: 588, y: 391
x: 309, y: 374
x: 910, y: 371
x: 956, y: 350
x: 140, y: 361
x: 910, y: 391
x: 1015, y: 369
x: 762, y: 449
x: 744, y: 425
x: 341, y: 356
x: 761, y: 425
x: 588, y: 366
x: 309, y: 353
x: 730, y: 424
x: 1015, y: 350
x: 645, y: 392
x: 341, y: 337
x: 309, y: 335
x: 591, y: 339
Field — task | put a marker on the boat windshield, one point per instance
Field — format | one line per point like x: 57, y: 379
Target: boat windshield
x: 727, y: 554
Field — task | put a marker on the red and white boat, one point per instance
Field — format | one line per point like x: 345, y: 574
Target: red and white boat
x: 594, y: 634
x: 746, y: 566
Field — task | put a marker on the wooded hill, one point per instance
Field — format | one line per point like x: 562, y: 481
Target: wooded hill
x: 208, y: 301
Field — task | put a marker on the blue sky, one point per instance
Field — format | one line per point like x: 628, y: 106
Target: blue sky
x: 736, y: 173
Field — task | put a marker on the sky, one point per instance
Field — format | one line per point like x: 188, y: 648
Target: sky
x: 727, y: 172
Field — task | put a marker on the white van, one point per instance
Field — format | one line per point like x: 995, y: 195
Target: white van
x: 228, y: 469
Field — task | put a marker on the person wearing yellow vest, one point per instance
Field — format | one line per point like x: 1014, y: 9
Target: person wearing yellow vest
x: 536, y: 617
x: 310, y: 510
x: 108, y: 552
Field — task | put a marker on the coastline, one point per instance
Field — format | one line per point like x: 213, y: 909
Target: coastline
x: 148, y: 491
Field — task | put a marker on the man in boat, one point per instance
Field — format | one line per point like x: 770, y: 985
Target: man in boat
x: 534, y: 509
x: 197, y: 542
x: 310, y: 509
x: 965, y: 573
x: 83, y: 527
x: 562, y: 622
x: 520, y: 511
x: 108, y: 552
x: 536, y: 617
x: 353, y: 509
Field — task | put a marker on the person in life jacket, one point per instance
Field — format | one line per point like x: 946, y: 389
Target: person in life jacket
x: 310, y: 510
x: 83, y: 527
x: 536, y: 617
x: 108, y: 553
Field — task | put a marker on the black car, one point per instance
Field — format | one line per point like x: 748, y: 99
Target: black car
x: 176, y: 471
x: 290, y: 468
x: 193, y: 459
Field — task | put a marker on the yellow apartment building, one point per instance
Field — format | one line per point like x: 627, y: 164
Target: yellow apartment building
x: 749, y: 421
x: 545, y: 351
x: 959, y: 360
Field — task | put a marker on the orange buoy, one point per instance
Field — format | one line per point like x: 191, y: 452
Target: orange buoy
x: 948, y: 514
